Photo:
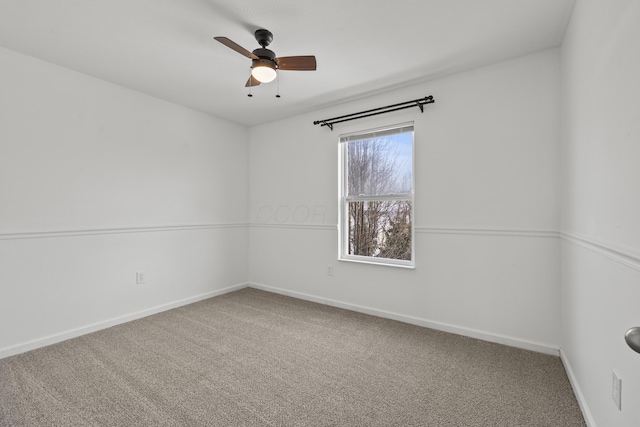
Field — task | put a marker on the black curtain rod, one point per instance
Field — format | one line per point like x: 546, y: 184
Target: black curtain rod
x: 389, y: 108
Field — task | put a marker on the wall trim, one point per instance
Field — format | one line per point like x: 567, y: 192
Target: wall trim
x: 489, y: 232
x: 83, y: 330
x: 43, y: 234
x: 427, y: 230
x: 440, y: 326
x: 328, y: 227
x: 582, y: 402
x: 40, y: 234
x: 619, y: 255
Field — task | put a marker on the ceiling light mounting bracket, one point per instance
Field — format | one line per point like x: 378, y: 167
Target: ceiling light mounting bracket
x: 263, y: 37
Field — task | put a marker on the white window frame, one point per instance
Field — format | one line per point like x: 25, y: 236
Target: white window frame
x: 344, y: 198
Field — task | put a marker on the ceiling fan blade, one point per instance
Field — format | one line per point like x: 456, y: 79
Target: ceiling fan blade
x: 297, y: 63
x: 252, y: 82
x: 235, y: 46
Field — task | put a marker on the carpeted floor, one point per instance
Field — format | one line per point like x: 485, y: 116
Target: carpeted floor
x: 253, y: 358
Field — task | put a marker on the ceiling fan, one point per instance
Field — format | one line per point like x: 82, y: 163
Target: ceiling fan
x: 264, y: 61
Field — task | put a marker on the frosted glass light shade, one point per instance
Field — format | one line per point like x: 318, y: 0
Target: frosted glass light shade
x: 263, y: 74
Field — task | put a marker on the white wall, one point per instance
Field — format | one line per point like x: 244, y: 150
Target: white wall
x: 601, y: 205
x: 98, y: 182
x: 487, y: 208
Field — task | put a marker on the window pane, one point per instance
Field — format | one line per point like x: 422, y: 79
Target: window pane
x: 380, y: 229
x: 380, y: 165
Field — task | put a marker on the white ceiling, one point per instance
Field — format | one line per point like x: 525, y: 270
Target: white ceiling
x: 165, y: 48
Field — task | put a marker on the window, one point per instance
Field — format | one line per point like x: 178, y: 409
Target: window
x: 376, y: 196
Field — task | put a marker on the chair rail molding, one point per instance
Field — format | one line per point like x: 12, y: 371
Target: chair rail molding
x: 42, y: 234
x: 623, y: 256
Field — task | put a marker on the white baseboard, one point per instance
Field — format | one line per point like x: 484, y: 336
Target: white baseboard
x: 473, y: 333
x: 445, y: 327
x: 582, y: 402
x: 72, y: 333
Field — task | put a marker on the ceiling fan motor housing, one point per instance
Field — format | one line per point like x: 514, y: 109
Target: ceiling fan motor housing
x: 263, y: 62
x: 266, y: 58
x: 265, y: 54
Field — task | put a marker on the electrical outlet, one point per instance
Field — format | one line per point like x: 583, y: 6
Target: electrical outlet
x: 616, y: 390
x: 329, y: 270
x: 140, y: 277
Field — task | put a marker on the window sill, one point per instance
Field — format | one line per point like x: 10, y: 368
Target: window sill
x: 379, y: 261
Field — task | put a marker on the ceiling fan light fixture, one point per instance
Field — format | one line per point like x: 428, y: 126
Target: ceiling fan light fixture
x: 265, y: 64
x: 263, y: 71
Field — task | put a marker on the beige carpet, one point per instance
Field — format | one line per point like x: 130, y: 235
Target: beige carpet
x: 253, y: 358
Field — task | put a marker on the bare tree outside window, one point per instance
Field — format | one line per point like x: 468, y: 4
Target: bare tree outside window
x: 378, y: 196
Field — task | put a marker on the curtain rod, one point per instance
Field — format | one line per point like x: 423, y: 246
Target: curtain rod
x: 389, y: 108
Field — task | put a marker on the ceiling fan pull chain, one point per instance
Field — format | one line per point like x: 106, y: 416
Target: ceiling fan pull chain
x: 278, y: 91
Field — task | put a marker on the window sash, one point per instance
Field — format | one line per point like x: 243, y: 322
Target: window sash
x: 376, y: 133
x: 345, y: 199
x: 404, y: 196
